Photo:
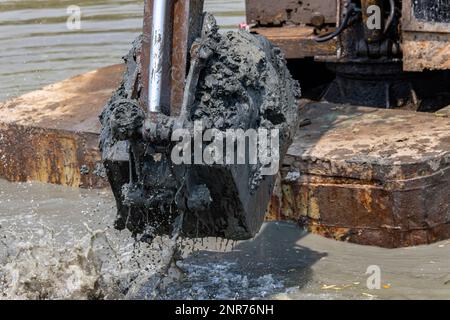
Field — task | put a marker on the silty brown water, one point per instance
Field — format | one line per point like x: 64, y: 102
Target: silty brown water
x: 58, y: 242
x: 47, y: 230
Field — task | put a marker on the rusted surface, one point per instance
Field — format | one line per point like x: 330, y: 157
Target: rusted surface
x: 51, y: 135
x: 186, y: 22
x: 282, y: 12
x: 290, y: 25
x: 187, y: 26
x: 297, y: 41
x: 369, y: 176
x: 426, y: 51
x: 50, y: 156
x: 426, y: 42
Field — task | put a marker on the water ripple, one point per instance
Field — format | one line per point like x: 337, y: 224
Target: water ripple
x: 37, y: 49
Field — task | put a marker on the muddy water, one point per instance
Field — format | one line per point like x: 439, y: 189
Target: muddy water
x: 37, y: 48
x: 57, y: 242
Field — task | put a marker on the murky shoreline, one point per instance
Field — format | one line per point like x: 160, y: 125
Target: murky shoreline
x: 282, y: 262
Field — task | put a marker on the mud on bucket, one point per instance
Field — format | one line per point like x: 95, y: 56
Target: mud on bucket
x: 211, y: 167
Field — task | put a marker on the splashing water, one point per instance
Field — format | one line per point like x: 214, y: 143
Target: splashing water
x: 98, y: 266
x: 55, y: 243
x: 93, y: 268
x: 220, y: 280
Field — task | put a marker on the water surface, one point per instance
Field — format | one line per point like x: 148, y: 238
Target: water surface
x: 37, y: 48
x: 282, y: 262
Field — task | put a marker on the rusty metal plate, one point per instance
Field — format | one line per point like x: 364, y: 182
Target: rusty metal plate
x: 50, y: 156
x: 369, y: 176
x: 426, y: 35
x: 432, y: 11
x: 297, y: 42
x: 285, y: 12
x: 51, y: 135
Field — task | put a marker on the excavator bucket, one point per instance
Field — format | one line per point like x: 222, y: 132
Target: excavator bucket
x: 203, y: 151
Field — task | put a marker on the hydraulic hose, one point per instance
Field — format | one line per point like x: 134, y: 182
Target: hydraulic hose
x: 342, y: 27
x: 391, y: 16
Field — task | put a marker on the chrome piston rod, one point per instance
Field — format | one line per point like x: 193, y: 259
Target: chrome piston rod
x: 157, y: 55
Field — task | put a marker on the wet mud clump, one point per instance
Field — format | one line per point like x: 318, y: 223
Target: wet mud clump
x: 236, y: 81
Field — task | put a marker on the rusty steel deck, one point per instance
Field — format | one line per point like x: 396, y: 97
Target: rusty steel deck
x: 292, y: 25
x: 370, y: 176
x: 51, y: 135
x: 426, y: 37
x: 297, y: 42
